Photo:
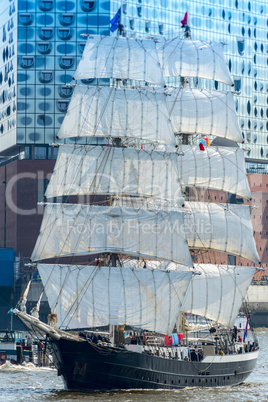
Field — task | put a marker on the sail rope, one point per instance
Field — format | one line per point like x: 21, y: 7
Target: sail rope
x: 80, y: 294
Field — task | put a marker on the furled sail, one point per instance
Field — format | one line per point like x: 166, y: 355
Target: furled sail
x: 220, y: 227
x: 117, y: 112
x: 203, y: 112
x: 98, y: 296
x: 75, y: 230
x: 218, y: 292
x: 85, y: 169
x: 217, y: 168
x: 193, y: 58
x: 120, y: 58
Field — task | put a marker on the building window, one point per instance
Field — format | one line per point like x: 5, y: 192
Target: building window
x: 46, y: 33
x: 44, y: 120
x: 65, y: 91
x: 66, y: 62
x: 25, y: 18
x: 139, y: 11
x: 46, y: 5
x: 132, y: 23
x: 64, y: 33
x: 255, y: 138
x: 82, y: 46
x: 147, y: 26
x: 66, y: 19
x: 88, y: 81
x: 27, y: 61
x: 46, y: 76
x: 44, y: 47
x: 161, y: 29
x: 237, y: 84
x: 62, y: 105
x: 241, y: 46
x: 87, y: 5
x: 124, y: 8
x: 4, y: 34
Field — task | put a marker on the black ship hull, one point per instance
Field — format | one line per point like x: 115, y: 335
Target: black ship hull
x: 86, y: 367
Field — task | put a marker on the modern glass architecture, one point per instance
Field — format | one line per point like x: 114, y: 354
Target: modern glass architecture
x: 41, y: 42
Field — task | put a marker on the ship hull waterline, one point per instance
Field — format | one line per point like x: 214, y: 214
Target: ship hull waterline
x: 89, y: 367
x: 86, y: 366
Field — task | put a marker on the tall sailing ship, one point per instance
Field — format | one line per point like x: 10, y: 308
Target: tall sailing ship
x: 116, y: 257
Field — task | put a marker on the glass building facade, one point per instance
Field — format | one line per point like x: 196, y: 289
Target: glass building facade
x: 42, y: 41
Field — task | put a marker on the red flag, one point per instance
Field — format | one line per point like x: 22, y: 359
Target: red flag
x: 201, y: 147
x: 184, y: 21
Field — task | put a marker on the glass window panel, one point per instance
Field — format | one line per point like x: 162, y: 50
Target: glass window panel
x: 46, y: 33
x: 45, y: 5
x: 67, y: 19
x: 25, y: 18
x: 27, y: 61
x: 88, y: 5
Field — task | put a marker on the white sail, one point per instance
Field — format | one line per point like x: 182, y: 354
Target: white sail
x: 220, y: 227
x: 203, y: 112
x: 98, y: 296
x: 218, y: 292
x: 116, y: 112
x: 120, y: 58
x: 216, y: 168
x: 193, y: 58
x: 85, y: 169
x: 74, y: 229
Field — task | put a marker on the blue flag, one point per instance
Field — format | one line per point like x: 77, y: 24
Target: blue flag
x: 115, y: 21
x: 246, y: 330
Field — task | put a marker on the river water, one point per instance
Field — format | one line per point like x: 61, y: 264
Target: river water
x: 28, y: 383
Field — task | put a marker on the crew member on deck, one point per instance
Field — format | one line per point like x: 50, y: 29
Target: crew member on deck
x: 234, y: 333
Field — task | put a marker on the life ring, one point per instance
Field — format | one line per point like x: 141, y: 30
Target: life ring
x: 3, y: 358
x: 42, y: 346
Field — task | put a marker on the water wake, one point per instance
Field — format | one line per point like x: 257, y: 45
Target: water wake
x: 8, y: 366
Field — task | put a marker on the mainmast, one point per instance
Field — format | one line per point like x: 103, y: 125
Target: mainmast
x: 143, y: 183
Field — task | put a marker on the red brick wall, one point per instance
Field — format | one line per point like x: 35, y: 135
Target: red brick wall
x: 23, y: 217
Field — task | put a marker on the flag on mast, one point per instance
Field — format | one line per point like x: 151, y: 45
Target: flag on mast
x: 246, y: 330
x: 115, y: 21
x: 184, y: 22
